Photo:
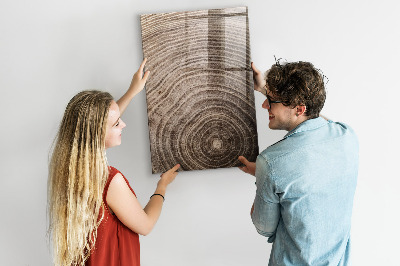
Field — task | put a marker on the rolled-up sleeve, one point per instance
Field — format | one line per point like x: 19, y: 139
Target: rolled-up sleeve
x: 266, y: 212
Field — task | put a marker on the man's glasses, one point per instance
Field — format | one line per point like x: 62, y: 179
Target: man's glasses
x: 264, y: 91
x: 271, y: 101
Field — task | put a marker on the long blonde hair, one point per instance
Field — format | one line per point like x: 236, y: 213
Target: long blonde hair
x: 78, y: 171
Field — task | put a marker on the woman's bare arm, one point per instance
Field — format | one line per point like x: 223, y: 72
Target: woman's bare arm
x: 127, y: 208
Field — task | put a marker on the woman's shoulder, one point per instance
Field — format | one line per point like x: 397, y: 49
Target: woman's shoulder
x: 113, y: 171
x: 117, y: 178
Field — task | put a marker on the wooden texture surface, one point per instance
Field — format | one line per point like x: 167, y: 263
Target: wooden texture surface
x: 200, y: 98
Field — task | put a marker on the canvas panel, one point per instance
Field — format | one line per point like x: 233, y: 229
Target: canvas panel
x: 200, y: 97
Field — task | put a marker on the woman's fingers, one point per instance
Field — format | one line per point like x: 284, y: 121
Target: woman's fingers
x: 142, y: 65
x: 169, y: 176
x: 175, y: 168
x: 146, y: 75
x: 172, y: 170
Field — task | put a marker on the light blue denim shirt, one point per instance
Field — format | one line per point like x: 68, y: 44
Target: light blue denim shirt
x: 305, y: 189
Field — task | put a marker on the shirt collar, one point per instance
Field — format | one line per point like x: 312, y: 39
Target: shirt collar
x: 307, y: 125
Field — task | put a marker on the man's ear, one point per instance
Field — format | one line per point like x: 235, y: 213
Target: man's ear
x: 300, y: 110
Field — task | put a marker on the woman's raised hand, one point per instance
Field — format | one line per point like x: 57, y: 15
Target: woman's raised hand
x: 137, y: 84
x: 138, y: 79
x: 168, y: 176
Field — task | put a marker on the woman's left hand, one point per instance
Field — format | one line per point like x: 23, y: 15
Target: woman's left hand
x: 138, y: 79
x: 137, y: 84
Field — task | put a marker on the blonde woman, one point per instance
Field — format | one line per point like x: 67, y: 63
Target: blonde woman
x: 95, y: 217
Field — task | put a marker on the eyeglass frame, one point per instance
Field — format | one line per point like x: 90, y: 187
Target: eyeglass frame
x: 269, y: 100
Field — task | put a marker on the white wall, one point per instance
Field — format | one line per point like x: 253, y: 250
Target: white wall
x: 49, y: 50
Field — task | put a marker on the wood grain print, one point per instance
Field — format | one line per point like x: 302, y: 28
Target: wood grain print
x: 200, y: 97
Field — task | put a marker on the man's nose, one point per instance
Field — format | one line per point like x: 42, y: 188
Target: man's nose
x: 265, y: 104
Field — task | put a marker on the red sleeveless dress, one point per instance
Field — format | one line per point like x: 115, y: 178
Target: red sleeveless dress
x: 116, y: 244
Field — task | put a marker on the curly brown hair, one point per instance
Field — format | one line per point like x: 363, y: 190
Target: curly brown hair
x: 298, y: 83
